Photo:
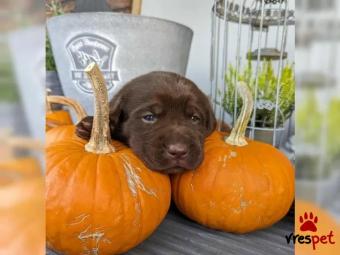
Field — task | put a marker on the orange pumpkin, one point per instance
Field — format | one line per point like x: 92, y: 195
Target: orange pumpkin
x: 21, y: 199
x: 100, y: 198
x: 56, y: 118
x: 241, y: 186
x: 21, y: 213
x: 24, y: 166
x: 61, y: 132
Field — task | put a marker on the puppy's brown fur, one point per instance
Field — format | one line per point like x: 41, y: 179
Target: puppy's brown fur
x: 163, y: 117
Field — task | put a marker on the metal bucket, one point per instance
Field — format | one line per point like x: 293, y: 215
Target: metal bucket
x: 123, y: 45
x: 266, y: 135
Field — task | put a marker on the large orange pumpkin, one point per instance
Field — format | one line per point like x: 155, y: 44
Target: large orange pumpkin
x: 100, y: 198
x: 241, y: 186
x: 63, y: 131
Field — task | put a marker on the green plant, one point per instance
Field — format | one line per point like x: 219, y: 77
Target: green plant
x: 53, y: 8
x: 50, y: 64
x: 310, y: 119
x: 333, y: 118
x: 267, y: 82
x: 8, y: 87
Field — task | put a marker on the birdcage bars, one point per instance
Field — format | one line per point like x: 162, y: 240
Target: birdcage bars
x: 257, y: 16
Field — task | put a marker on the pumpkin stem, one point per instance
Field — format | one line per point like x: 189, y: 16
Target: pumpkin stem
x: 100, y: 141
x: 79, y: 110
x: 48, y: 104
x: 237, y: 135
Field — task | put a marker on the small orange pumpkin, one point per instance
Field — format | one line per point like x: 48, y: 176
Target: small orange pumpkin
x: 241, y: 186
x: 25, y: 166
x: 61, y: 132
x: 100, y: 198
x: 56, y: 118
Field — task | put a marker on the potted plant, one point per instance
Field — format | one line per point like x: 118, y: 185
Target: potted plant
x: 267, y: 81
x: 53, y: 8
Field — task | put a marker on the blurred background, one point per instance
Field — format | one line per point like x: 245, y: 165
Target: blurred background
x: 317, y: 139
x: 22, y: 68
x: 316, y: 142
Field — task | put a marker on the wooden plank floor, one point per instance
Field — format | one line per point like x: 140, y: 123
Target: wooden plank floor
x: 179, y: 236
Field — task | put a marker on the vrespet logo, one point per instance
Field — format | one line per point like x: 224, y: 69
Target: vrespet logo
x: 308, y: 224
x: 310, y: 234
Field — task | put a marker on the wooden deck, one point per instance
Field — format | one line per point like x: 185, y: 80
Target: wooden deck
x: 179, y: 236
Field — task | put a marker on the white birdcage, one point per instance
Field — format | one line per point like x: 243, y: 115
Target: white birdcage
x: 249, y: 42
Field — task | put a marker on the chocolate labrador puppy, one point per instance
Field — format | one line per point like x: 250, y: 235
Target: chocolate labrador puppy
x: 163, y: 117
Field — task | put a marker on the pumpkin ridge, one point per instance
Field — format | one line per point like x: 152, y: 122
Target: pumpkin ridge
x: 59, y: 163
x: 262, y: 167
x: 208, y: 215
x: 70, y: 142
x: 117, y: 166
x: 241, y: 158
x: 269, y: 206
x: 290, y: 189
x: 136, y: 196
x: 184, y: 197
x: 69, y: 187
x: 155, y: 184
x: 94, y: 243
x: 285, y: 179
x: 58, y: 240
x: 284, y: 199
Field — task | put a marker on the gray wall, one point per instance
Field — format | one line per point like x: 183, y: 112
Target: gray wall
x: 196, y: 14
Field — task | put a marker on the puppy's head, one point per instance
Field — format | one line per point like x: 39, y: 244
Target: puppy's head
x: 164, y: 118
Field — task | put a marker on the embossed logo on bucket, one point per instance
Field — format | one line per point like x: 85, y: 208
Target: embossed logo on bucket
x: 83, y: 50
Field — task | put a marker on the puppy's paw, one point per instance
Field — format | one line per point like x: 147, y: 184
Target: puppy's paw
x: 84, y: 128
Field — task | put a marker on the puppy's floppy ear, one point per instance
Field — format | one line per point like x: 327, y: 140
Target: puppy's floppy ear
x: 84, y: 128
x: 116, y: 112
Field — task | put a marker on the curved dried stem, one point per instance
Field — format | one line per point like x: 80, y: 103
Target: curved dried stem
x: 48, y: 104
x: 237, y: 135
x: 73, y: 104
x: 100, y: 141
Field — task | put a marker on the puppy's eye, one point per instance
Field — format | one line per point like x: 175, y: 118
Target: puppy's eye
x: 149, y: 118
x: 195, y: 119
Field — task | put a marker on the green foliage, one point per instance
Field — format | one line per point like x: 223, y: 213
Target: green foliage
x: 333, y: 118
x: 8, y: 88
x: 309, y: 120
x: 50, y: 64
x: 55, y: 8
x: 267, y: 82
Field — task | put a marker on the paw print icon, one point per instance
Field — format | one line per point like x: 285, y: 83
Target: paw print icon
x: 308, y: 222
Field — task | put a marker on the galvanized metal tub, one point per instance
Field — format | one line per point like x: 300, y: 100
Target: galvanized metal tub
x: 124, y: 46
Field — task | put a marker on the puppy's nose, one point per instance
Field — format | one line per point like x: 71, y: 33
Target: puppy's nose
x: 177, y: 150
